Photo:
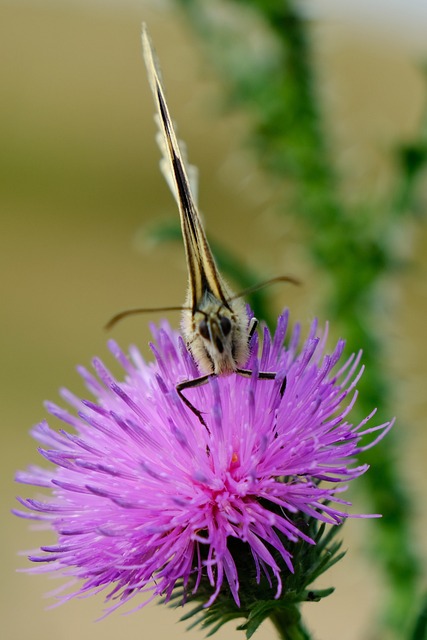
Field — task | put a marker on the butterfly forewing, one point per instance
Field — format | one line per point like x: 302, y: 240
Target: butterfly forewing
x: 215, y: 322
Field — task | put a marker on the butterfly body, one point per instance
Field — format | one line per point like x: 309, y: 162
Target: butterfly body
x: 216, y: 333
x: 215, y: 322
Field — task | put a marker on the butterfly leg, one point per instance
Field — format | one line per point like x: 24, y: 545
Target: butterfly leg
x: 190, y: 384
x: 263, y: 375
x: 253, y: 324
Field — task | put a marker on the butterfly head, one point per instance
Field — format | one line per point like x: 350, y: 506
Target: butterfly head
x: 217, y: 334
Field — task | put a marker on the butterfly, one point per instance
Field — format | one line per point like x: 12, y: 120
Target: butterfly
x: 215, y: 323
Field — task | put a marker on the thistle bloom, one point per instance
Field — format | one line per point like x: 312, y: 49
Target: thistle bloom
x: 143, y: 497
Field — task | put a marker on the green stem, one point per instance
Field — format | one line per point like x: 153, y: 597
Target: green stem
x: 288, y: 624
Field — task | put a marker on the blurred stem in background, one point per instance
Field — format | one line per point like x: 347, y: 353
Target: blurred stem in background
x: 353, y: 245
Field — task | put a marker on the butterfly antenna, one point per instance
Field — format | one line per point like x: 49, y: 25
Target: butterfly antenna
x: 133, y: 312
x: 264, y: 284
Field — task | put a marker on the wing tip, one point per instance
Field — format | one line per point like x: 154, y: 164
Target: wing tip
x: 149, y: 56
x: 145, y: 38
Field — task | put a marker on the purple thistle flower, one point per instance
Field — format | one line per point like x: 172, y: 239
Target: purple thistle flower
x: 144, y: 497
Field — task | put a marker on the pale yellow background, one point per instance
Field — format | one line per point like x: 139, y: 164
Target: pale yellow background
x: 80, y: 179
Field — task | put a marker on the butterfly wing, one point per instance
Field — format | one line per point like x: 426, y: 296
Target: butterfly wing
x: 202, y: 270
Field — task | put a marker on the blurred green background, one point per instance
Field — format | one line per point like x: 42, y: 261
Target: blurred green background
x: 80, y: 185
